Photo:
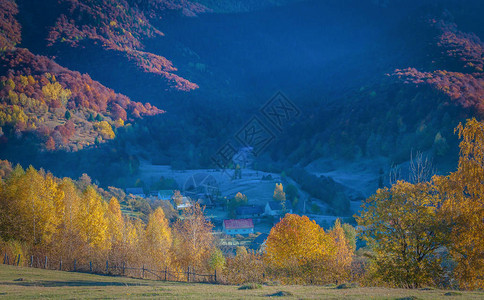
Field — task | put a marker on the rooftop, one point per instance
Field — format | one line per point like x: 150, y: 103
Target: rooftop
x: 258, y: 241
x: 276, y: 205
x: 238, y: 224
x: 249, y: 210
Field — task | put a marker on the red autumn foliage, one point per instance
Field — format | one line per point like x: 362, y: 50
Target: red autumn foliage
x: 121, y: 26
x: 9, y: 27
x: 86, y: 92
x: 466, y: 47
x: 36, y: 91
x: 50, y: 144
x: 67, y: 130
x: 466, y: 89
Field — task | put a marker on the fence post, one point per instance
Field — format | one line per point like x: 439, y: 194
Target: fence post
x: 31, y: 261
x: 215, y: 275
x: 90, y: 266
x: 107, y: 267
x: 75, y: 265
x: 124, y: 267
x: 8, y: 260
x: 165, y: 272
x: 45, y: 262
x: 18, y: 260
x: 60, y: 265
x: 188, y: 274
x: 143, y: 274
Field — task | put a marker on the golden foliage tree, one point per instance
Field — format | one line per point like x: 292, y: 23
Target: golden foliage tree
x: 298, y: 248
x: 32, y: 206
x: 68, y: 241
x: 158, y: 239
x: 463, y: 192
x: 93, y: 223
x: 245, y: 267
x: 279, y: 194
x: 193, y: 240
x: 343, y: 255
x: 404, y: 228
x: 105, y: 130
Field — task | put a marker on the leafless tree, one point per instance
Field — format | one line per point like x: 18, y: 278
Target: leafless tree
x: 395, y: 174
x: 420, y: 168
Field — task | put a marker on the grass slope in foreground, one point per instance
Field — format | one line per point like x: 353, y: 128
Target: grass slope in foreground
x: 23, y: 283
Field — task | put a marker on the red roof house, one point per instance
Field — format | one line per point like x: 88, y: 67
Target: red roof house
x: 238, y: 226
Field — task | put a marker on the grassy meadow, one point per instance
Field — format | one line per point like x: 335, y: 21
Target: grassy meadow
x: 28, y: 283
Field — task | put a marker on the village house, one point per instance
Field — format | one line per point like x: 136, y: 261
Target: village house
x: 165, y: 195
x: 186, y: 202
x: 238, y: 226
x: 249, y: 211
x: 275, y: 208
x: 259, y: 243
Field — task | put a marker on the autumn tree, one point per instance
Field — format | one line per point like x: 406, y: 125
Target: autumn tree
x: 115, y: 220
x: 116, y: 225
x: 343, y: 256
x: 217, y: 260
x: 279, y: 194
x: 403, y: 227
x: 104, y: 129
x: 31, y: 204
x: 69, y: 243
x: 299, y: 249
x: 246, y: 266
x: 158, y: 240
x: 177, y: 197
x: 463, y: 193
x: 93, y: 222
x: 350, y: 234
x: 5, y: 168
x: 238, y: 200
x: 193, y: 240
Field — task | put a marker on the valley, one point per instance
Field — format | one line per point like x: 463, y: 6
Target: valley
x: 272, y: 142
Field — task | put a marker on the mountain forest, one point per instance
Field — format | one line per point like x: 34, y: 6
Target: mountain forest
x: 307, y: 142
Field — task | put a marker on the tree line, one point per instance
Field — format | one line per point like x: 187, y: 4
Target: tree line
x: 413, y: 234
x: 431, y: 233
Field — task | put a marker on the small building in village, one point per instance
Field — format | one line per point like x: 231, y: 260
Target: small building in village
x: 259, y: 243
x: 165, y: 195
x: 249, y: 211
x: 186, y: 202
x: 276, y: 208
x: 238, y: 226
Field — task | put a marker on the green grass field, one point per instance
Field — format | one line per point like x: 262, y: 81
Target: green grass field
x: 27, y: 283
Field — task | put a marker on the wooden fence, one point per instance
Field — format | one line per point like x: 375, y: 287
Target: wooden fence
x: 188, y: 275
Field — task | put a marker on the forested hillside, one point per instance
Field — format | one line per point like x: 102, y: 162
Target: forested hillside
x: 371, y: 78
x: 63, y: 108
x: 273, y: 117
